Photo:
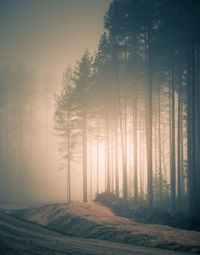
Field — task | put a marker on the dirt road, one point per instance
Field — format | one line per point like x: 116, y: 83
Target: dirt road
x: 20, y: 237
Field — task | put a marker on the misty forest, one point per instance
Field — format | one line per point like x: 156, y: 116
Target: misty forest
x: 117, y: 136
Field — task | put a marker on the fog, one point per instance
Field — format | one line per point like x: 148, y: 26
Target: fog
x: 39, y: 40
x: 49, y: 35
x: 100, y: 99
x: 100, y: 123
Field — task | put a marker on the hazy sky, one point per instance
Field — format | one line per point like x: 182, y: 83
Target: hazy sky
x: 48, y: 35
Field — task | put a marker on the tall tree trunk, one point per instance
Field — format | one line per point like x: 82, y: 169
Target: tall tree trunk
x: 182, y: 177
x: 179, y: 181
x: 47, y: 145
x: 6, y: 151
x: 124, y: 169
x: 173, y: 150
x: 105, y: 157
x: 84, y: 141
x: 123, y: 151
x: 68, y: 160
x: 159, y: 145
x: 97, y: 156
x: 155, y: 165
x: 135, y: 142
x: 125, y: 184
x: 91, y: 171
x: 198, y: 122
x: 107, y: 154
x: 141, y: 164
x: 112, y: 153
x: 116, y: 155
x: 149, y: 123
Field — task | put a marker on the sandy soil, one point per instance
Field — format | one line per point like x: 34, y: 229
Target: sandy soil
x: 93, y: 220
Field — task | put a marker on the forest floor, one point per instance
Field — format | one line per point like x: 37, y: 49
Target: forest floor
x: 93, y: 220
x: 19, y: 237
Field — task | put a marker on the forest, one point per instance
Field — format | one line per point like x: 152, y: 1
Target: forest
x: 134, y: 107
x: 124, y: 121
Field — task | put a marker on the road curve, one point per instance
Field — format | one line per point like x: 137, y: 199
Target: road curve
x: 18, y: 237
